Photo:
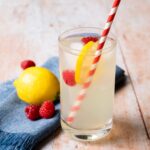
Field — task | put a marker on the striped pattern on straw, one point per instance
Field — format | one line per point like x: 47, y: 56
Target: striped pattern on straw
x: 82, y: 93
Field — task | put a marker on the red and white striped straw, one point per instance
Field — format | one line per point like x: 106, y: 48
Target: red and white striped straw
x: 87, y: 83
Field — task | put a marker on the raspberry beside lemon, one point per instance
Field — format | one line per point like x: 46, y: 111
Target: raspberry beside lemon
x: 36, y: 84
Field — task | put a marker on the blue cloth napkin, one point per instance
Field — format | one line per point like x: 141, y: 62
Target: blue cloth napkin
x: 16, y: 131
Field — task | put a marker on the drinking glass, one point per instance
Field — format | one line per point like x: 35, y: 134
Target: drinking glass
x: 94, y: 118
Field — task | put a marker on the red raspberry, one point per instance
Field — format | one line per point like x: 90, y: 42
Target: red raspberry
x: 32, y: 112
x: 69, y: 77
x: 47, y: 109
x: 85, y: 40
x: 27, y: 63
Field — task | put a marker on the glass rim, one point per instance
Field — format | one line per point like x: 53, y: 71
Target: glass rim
x: 77, y: 51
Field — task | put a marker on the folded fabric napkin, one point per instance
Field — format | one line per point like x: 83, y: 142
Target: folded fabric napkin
x: 16, y: 131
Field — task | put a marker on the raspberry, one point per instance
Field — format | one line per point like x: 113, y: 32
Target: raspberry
x: 47, y: 109
x: 27, y: 63
x: 85, y: 40
x: 32, y: 112
x: 69, y: 77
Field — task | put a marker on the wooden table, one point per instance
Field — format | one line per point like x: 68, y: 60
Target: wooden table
x: 30, y: 28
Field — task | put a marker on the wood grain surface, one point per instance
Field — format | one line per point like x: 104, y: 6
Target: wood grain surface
x: 30, y: 29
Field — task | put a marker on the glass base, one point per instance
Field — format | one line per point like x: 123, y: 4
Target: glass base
x: 87, y: 135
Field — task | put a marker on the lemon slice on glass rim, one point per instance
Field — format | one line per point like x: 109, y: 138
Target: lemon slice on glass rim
x: 84, y: 61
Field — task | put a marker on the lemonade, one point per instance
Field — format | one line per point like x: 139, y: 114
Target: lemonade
x: 94, y: 118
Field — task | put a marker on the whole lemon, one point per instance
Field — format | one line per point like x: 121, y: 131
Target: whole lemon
x: 36, y: 84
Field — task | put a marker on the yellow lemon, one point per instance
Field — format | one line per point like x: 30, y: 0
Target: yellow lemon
x: 84, y: 61
x: 36, y: 84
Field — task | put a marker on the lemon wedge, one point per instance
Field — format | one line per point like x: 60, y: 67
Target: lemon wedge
x: 84, y: 61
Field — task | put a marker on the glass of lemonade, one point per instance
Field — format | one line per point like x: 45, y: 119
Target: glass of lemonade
x: 94, y: 118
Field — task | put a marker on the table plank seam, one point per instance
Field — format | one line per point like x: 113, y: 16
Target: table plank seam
x: 138, y: 104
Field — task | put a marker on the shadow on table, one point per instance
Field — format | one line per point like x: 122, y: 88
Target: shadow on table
x: 121, y: 133
x: 48, y: 140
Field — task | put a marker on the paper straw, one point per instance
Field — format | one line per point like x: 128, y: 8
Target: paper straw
x: 80, y: 98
